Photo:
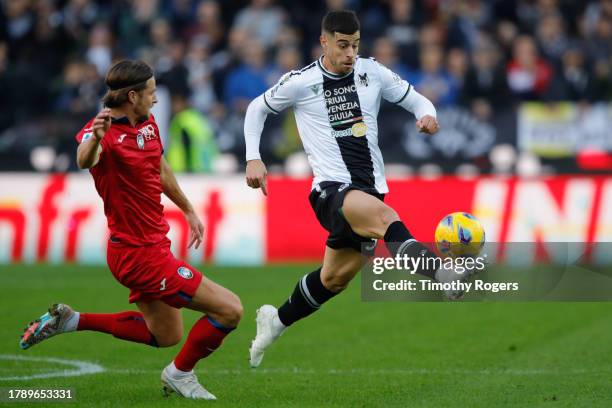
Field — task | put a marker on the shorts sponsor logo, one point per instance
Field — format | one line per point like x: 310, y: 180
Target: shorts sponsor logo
x: 185, y: 272
x: 342, y: 187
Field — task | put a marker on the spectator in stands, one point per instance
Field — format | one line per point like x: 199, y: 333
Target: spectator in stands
x: 191, y: 142
x: 288, y: 58
x: 402, y: 28
x: 171, y: 70
x: 18, y: 29
x: 51, y: 41
x: 100, y: 52
x: 485, y: 89
x: 385, y: 52
x: 160, y: 37
x: 467, y: 18
x: 263, y: 20
x: 573, y: 80
x: 600, y: 41
x: 433, y: 80
x: 250, y: 79
x: 528, y: 75
x: 594, y: 11
x: 81, y: 89
x: 223, y: 62
x: 603, y: 80
x: 7, y: 88
x: 457, y: 64
x: 506, y: 34
x: 530, y: 12
x: 551, y: 38
x: 79, y: 16
x: 134, y: 25
x: 203, y: 97
x: 208, y: 25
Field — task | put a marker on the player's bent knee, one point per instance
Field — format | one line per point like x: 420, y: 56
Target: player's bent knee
x: 234, y: 312
x: 231, y: 312
x: 168, y: 339
x: 387, y: 216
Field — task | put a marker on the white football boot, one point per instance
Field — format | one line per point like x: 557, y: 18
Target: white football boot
x: 186, y: 385
x: 269, y: 328
x: 448, y: 275
x: 59, y: 319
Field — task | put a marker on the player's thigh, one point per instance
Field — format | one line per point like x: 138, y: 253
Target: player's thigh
x: 218, y: 302
x: 163, y: 320
x: 339, y: 267
x: 367, y: 215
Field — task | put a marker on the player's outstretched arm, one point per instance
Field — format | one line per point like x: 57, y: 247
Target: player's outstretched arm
x: 398, y: 91
x: 173, y: 191
x: 88, y: 153
x: 254, y: 120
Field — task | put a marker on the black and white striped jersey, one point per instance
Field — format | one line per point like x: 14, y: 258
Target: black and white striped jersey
x: 336, y: 117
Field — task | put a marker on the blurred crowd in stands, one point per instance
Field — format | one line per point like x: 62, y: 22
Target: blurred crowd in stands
x: 214, y: 56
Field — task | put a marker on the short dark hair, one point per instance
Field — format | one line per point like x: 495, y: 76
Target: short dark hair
x: 123, y: 77
x: 342, y: 21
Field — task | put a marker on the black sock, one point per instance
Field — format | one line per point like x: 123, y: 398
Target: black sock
x: 307, y: 297
x: 400, y: 241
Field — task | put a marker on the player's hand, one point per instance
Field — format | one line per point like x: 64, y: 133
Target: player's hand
x: 196, y: 230
x: 427, y: 124
x: 101, y: 123
x: 256, y: 174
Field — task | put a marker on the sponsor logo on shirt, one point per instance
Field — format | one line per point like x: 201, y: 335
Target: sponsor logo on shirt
x: 120, y: 140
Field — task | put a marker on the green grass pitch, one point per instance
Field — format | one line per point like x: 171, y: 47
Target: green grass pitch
x: 350, y: 353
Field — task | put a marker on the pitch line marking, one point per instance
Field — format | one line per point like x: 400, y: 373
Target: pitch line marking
x: 365, y: 371
x: 79, y: 367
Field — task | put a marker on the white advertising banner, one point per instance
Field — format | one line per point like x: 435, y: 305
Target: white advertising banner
x: 59, y: 218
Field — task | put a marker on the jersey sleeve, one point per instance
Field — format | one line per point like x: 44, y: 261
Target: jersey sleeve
x: 394, y: 88
x: 282, y: 95
x: 85, y: 133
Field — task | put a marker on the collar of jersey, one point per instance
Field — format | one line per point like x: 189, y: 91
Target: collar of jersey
x: 123, y: 120
x: 331, y: 74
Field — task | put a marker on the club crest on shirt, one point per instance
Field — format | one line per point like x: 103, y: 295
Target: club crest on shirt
x: 185, y: 272
x: 140, y: 141
x: 363, y: 79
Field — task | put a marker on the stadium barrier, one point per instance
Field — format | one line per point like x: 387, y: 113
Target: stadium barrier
x: 60, y: 218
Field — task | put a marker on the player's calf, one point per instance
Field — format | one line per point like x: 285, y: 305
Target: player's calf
x: 307, y: 297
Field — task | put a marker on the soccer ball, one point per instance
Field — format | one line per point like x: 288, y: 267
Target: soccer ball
x: 460, y: 234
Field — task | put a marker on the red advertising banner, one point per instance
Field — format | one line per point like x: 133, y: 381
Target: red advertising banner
x: 555, y: 209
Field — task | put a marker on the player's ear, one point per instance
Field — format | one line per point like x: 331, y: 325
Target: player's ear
x: 131, y: 96
x: 323, y: 40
